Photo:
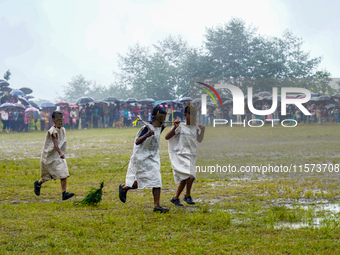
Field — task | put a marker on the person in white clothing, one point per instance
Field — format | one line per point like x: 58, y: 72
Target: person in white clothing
x: 183, y: 138
x: 144, y: 166
x: 53, y: 164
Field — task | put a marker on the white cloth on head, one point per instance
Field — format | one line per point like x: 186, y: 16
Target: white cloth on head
x: 144, y: 166
x: 183, y: 151
x: 52, y: 166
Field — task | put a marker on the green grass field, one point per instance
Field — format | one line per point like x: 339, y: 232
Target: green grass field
x: 238, y: 213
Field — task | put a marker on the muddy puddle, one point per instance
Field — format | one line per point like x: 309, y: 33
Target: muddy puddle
x: 329, y: 211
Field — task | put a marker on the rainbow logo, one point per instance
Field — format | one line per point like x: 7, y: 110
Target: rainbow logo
x: 209, y: 93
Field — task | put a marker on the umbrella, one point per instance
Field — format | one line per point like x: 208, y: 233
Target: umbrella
x: 110, y: 99
x: 47, y: 105
x: 84, y: 100
x: 185, y: 99
x: 337, y: 95
x: 73, y: 105
x: 146, y: 101
x: 196, y: 100
x: 17, y: 92
x: 99, y: 102
x: 176, y: 101
x: 329, y: 106
x: 268, y: 98
x: 20, y: 106
x: 228, y: 102
x: 31, y: 109
x: 24, y: 101
x: 131, y: 100
x: 324, y: 98
x: 169, y: 102
x: 62, y: 103
x: 34, y: 104
x: 7, y: 106
x: 158, y: 102
x: 255, y: 97
x: 26, y: 90
x: 6, y: 89
x: 29, y: 97
x: 264, y: 94
x: 4, y: 84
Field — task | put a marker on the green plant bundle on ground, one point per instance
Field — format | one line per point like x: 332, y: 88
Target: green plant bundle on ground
x: 94, y: 196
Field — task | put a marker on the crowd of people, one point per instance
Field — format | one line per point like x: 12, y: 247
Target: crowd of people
x: 95, y: 115
x: 108, y: 115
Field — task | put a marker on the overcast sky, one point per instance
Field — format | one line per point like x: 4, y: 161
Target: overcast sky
x: 46, y: 43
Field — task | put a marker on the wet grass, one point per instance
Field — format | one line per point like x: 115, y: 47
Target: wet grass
x: 256, y: 213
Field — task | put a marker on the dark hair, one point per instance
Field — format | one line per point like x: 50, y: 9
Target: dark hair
x: 186, y: 110
x: 158, y: 109
x: 55, y: 113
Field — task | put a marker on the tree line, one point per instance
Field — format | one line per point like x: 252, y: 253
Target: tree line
x: 233, y: 52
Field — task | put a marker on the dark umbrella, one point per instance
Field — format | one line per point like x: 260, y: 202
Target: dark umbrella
x: 62, y: 103
x: 169, y: 102
x: 337, y: 95
x: 99, y: 102
x: 131, y: 100
x: 329, y: 106
x: 6, y: 89
x: 268, y: 98
x: 7, y: 105
x: 24, y: 101
x: 185, y: 99
x: 264, y: 94
x: 26, y: 90
x: 4, y: 84
x: 84, y: 100
x: 47, y: 105
x: 146, y: 101
x: 176, y: 101
x: 34, y: 104
x: 17, y: 92
x: 324, y: 98
x: 228, y: 102
x: 29, y: 97
x: 110, y: 99
x: 255, y: 97
x: 196, y: 100
x: 20, y: 106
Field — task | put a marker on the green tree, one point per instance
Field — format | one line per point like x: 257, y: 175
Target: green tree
x: 238, y: 54
x: 232, y: 53
x: 97, y: 91
x: 155, y: 71
x: 321, y: 83
x: 77, y: 88
x: 7, y: 75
